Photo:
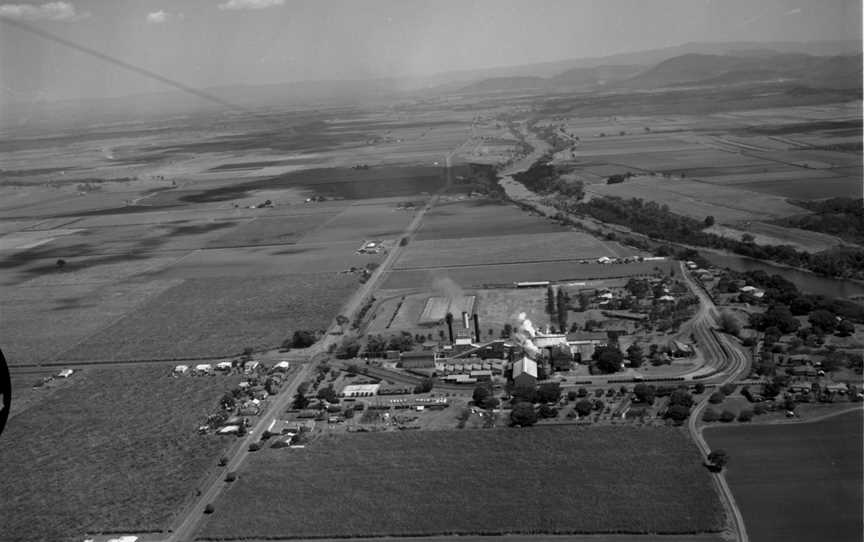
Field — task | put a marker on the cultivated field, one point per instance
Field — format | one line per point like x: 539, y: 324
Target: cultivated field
x: 110, y: 450
x: 480, y: 218
x: 797, y: 482
x: 220, y: 317
x: 512, y: 248
x: 477, y: 276
x: 544, y: 480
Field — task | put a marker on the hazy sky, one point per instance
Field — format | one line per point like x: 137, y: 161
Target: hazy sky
x: 217, y: 42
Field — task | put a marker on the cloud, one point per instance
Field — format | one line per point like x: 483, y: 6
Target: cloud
x: 795, y: 11
x: 157, y: 17
x: 49, y: 11
x: 162, y: 16
x: 237, y: 5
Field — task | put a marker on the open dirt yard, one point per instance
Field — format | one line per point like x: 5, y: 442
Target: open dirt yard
x: 114, y: 450
x: 220, y: 317
x: 770, y: 234
x: 797, y: 482
x: 549, y: 480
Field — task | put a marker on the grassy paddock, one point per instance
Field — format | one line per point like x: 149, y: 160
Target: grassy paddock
x: 796, y: 482
x: 539, y: 480
x: 114, y: 450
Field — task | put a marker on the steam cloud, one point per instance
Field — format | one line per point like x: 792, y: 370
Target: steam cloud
x: 524, y: 334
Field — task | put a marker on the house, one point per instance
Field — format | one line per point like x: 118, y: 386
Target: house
x: 181, y: 369
x: 837, y: 388
x: 224, y: 366
x: 666, y: 298
x: 418, y: 360
x: 203, y: 369
x: 525, y: 372
x: 360, y: 390
x: 680, y: 350
x: 604, y: 259
x: 228, y: 430
x: 804, y: 370
x: 481, y: 376
x: 283, y: 366
x: 65, y: 373
x: 251, y: 366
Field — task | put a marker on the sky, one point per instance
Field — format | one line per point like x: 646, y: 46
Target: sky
x: 207, y: 43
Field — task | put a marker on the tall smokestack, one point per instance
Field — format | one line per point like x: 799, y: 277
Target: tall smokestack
x: 466, y: 323
x: 449, y: 319
x: 476, y: 328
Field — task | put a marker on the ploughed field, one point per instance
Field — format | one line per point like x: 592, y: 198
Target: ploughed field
x: 797, y: 482
x: 111, y: 450
x: 537, y: 480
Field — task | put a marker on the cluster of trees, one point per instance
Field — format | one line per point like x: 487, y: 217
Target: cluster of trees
x: 843, y: 217
x: 557, y: 306
x: 657, y: 221
x: 377, y: 345
x: 607, y: 359
x: 544, y: 178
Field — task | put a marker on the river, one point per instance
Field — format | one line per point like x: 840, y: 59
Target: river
x: 806, y: 282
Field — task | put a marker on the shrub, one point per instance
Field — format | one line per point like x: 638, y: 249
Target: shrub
x: 223, y: 461
x: 716, y: 398
x: 254, y: 447
x: 745, y: 415
x: 209, y: 509
x: 728, y: 389
x: 699, y: 388
x: 571, y: 395
x: 759, y: 409
x: 231, y: 476
x: 710, y: 416
x: 727, y: 416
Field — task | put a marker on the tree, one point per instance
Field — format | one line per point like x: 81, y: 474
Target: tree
x: 549, y: 392
x: 403, y: 242
x: 845, y: 328
x: 491, y: 402
x: 583, y: 407
x: 678, y: 413
x: 635, y: 354
x: 728, y: 324
x: 718, y: 459
x: 727, y: 416
x: 300, y: 400
x: 824, y: 320
x: 709, y: 221
x: 61, y: 263
x: 524, y: 394
x: 523, y: 415
x: 745, y: 415
x: 328, y: 394
x: 348, y: 348
x: 505, y: 333
x: 699, y: 388
x: 481, y: 393
x: 644, y: 393
x: 710, y: 415
x: 561, y: 357
x: 425, y: 386
x: 608, y: 359
x: 681, y: 397
x: 546, y: 411
x: 342, y: 320
x: 716, y: 398
x: 303, y: 339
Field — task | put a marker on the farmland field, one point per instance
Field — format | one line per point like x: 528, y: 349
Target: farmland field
x: 219, y: 317
x: 797, y: 482
x: 110, y: 450
x: 544, y: 479
x: 479, y: 218
x: 514, y: 248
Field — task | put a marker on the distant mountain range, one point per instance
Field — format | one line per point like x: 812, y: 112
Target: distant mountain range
x: 827, y: 64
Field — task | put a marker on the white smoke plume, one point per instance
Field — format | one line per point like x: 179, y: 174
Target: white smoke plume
x: 524, y: 333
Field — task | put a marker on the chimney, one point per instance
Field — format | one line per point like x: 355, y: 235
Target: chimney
x: 477, y: 328
x: 449, y: 319
x: 466, y: 323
